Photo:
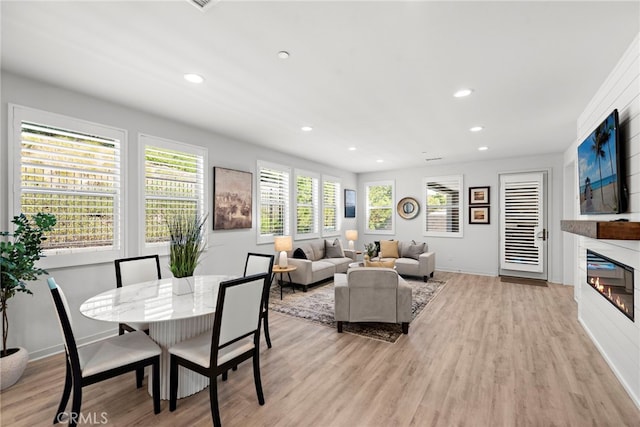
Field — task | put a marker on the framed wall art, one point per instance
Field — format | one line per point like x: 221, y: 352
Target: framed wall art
x: 479, y: 215
x: 231, y: 199
x: 349, y: 203
x: 479, y: 195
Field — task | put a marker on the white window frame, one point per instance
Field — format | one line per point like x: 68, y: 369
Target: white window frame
x: 315, y: 204
x: 338, y: 203
x: 269, y: 238
x: 460, y: 181
x: 367, y: 186
x: 71, y: 256
x: 144, y: 140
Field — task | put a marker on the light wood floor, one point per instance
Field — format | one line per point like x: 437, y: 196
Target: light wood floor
x: 483, y: 353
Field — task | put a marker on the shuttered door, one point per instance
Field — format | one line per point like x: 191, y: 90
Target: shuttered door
x: 522, y: 222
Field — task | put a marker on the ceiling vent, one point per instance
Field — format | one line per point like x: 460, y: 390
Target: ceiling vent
x: 203, y: 4
x: 431, y: 159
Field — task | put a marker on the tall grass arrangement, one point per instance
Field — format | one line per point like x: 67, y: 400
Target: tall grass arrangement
x: 186, y: 243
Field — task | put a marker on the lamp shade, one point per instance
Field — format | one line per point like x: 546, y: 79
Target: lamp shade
x: 283, y: 243
x: 351, y: 234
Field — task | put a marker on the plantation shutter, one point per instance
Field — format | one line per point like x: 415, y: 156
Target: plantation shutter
x: 330, y: 203
x: 521, y: 222
x: 307, y: 205
x: 76, y: 177
x: 443, y: 206
x: 274, y: 201
x: 173, y: 184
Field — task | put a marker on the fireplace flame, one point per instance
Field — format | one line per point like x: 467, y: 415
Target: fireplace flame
x: 606, y: 291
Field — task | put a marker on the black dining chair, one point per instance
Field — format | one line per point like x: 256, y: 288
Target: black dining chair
x: 136, y: 270
x: 100, y: 360
x: 235, y: 338
x: 257, y: 263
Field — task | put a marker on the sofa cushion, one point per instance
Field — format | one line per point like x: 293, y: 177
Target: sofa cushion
x: 389, y: 263
x: 299, y: 254
x: 389, y: 249
x: 412, y: 250
x: 333, y: 249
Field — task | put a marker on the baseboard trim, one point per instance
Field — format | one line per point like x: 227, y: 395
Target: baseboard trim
x: 56, y: 349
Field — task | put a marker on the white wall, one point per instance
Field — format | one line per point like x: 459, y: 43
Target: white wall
x: 32, y: 321
x: 478, y: 251
x: 617, y: 337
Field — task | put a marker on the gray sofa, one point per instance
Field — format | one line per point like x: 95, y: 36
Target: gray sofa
x: 317, y: 267
x: 412, y: 264
x: 372, y: 294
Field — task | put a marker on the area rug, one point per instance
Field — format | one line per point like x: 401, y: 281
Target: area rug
x: 316, y: 305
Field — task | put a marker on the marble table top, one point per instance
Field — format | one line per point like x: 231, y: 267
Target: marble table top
x: 154, y: 301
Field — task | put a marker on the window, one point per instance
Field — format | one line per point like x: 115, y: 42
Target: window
x: 72, y: 169
x: 307, y: 204
x: 330, y: 206
x: 442, y: 206
x: 273, y: 201
x: 173, y: 184
x: 380, y: 200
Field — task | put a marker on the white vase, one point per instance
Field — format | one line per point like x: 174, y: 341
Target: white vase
x: 182, y: 285
x: 12, y: 367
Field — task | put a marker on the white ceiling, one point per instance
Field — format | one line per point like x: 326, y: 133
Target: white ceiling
x: 378, y: 76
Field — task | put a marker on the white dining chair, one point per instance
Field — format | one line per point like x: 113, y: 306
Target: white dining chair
x: 257, y: 263
x: 136, y: 270
x: 235, y: 338
x: 100, y: 360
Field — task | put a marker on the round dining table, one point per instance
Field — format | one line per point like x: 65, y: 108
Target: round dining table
x: 172, y: 317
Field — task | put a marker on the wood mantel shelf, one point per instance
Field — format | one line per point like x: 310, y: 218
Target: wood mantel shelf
x: 613, y: 230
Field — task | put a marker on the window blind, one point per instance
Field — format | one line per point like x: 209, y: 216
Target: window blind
x: 442, y: 201
x: 274, y: 201
x: 174, y: 184
x: 330, y: 203
x: 76, y: 177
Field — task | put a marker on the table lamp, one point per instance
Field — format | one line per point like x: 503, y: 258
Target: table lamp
x: 351, y: 235
x: 283, y: 244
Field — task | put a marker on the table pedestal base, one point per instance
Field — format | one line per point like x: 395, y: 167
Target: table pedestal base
x: 168, y: 333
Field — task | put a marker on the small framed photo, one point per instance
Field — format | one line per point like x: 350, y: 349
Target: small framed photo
x: 349, y: 203
x: 479, y: 215
x: 479, y: 195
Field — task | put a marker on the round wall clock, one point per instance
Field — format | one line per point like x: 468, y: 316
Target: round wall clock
x: 408, y: 208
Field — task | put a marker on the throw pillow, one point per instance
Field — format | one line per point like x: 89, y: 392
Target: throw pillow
x: 413, y: 250
x: 388, y: 264
x: 333, y: 250
x: 299, y: 254
x: 389, y: 249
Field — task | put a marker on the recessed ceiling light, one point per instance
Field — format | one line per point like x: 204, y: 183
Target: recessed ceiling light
x: 306, y: 128
x: 379, y: 161
x: 283, y: 54
x: 193, y: 78
x: 483, y: 148
x: 476, y: 129
x: 462, y: 93
x: 352, y: 148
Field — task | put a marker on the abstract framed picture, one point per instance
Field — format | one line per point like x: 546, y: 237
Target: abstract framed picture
x: 479, y: 195
x: 479, y: 215
x: 349, y: 203
x: 231, y: 199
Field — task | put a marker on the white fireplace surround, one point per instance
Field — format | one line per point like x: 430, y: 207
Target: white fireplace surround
x: 615, y: 335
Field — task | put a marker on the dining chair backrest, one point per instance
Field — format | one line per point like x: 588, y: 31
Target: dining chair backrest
x: 238, y: 311
x: 65, y: 322
x: 258, y: 263
x: 137, y: 269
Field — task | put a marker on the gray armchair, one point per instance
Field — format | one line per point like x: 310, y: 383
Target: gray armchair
x: 372, y: 294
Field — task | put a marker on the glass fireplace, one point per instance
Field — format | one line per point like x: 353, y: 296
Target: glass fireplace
x: 612, y: 280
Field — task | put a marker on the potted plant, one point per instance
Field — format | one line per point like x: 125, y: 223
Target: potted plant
x: 186, y: 244
x: 19, y: 252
